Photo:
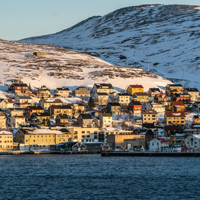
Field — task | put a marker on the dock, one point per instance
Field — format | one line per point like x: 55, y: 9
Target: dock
x: 151, y: 154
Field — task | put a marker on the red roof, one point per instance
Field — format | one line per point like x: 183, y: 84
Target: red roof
x: 162, y: 139
x: 174, y: 114
x: 19, y: 117
x: 55, y: 106
x: 161, y: 95
x: 136, y: 86
x: 10, y: 100
x: 178, y: 103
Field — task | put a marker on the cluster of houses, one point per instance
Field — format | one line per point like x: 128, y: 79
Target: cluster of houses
x: 103, y: 117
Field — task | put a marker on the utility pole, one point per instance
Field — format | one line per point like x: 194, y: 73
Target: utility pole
x: 127, y: 62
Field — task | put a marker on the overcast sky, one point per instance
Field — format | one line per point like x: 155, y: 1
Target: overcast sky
x: 26, y: 18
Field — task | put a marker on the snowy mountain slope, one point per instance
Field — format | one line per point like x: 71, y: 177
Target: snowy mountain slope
x: 166, y: 35
x: 61, y: 67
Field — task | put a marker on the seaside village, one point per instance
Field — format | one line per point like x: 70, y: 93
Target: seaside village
x: 100, y: 119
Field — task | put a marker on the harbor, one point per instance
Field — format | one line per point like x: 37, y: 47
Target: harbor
x: 151, y: 154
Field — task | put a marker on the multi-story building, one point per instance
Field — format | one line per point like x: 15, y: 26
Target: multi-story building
x: 141, y: 97
x: 153, y: 91
x: 6, y: 103
x: 102, y: 88
x: 161, y: 97
x: 81, y: 92
x: 37, y: 139
x: 84, y: 134
x: 114, y: 108
x: 135, y: 107
x: 173, y: 88
x: 158, y: 144
x: 62, y: 92
x: 2, y: 121
x: 193, y: 92
x: 46, y: 103
x: 54, y: 110
x: 103, y: 120
x: 135, y: 89
x: 32, y: 109
x: 43, y: 93
x: 23, y: 101
x: 158, y: 107
x: 40, y: 118
x: 149, y: 117
x: 6, y: 140
x: 16, y: 121
x: 127, y: 141
x: 85, y: 120
x: 174, y: 118
x: 19, y: 88
x: 101, y: 99
x: 123, y: 99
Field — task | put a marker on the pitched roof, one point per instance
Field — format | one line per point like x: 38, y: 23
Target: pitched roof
x: 51, y: 100
x: 154, y: 89
x: 36, y: 107
x: 20, y: 85
x: 162, y: 139
x: 136, y: 103
x: 45, y: 114
x: 192, y: 89
x: 124, y: 94
x: 65, y: 107
x: 141, y: 94
x: 149, y: 112
x: 63, y: 88
x: 102, y: 94
x: 136, y: 86
x: 9, y: 100
x: 178, y: 103
x: 24, y: 97
x: 174, y: 114
x: 161, y: 95
x: 63, y: 116
x: 106, y: 114
x: 174, y: 85
x: 114, y: 104
x: 86, y: 116
x: 104, y: 85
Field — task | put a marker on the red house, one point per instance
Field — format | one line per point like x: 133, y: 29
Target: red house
x: 19, y: 88
x: 135, y: 107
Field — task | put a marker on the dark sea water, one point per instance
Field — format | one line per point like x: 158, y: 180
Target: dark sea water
x: 96, y: 177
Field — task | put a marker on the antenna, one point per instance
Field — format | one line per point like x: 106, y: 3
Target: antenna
x: 148, y: 65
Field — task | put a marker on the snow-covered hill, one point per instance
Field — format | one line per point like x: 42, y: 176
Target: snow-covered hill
x: 62, y: 67
x: 166, y: 35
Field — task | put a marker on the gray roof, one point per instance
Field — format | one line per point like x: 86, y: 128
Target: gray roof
x: 86, y: 116
x: 24, y: 97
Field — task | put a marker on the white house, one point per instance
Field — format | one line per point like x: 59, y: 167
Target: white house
x: 193, y: 142
x: 16, y: 121
x: 158, y: 144
x: 23, y: 101
x: 104, y: 120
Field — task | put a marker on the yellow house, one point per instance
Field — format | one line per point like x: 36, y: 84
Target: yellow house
x: 174, y: 118
x: 196, y: 119
x: 134, y: 89
x: 177, y: 139
x: 6, y: 140
x: 37, y: 139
